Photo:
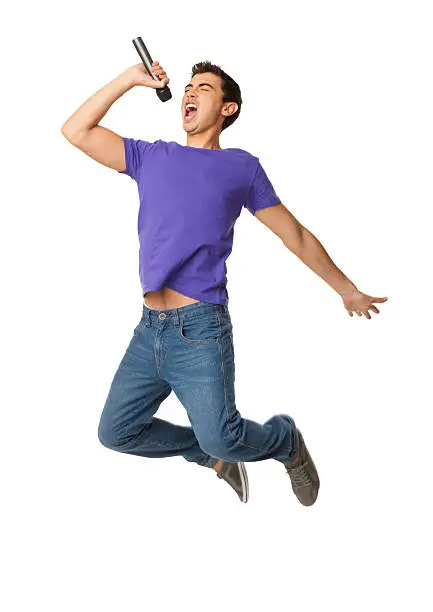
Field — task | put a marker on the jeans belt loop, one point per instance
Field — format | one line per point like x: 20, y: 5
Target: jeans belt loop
x: 176, y: 317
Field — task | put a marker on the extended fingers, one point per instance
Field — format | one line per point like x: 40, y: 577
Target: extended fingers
x: 364, y: 312
x: 367, y: 314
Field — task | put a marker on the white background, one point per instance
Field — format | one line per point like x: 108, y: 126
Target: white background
x: 338, y: 107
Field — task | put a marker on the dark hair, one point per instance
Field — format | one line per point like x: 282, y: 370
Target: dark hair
x: 231, y: 90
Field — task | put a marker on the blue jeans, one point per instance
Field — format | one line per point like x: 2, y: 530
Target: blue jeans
x: 188, y: 350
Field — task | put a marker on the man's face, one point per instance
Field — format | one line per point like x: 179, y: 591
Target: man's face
x: 204, y: 90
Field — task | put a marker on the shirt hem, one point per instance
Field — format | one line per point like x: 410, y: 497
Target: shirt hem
x: 197, y: 294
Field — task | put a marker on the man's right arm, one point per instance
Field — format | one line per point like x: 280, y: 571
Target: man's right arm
x: 82, y: 129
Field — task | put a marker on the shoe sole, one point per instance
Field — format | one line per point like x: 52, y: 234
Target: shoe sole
x: 244, y: 480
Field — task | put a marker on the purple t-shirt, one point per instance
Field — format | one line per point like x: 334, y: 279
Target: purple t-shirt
x: 190, y: 199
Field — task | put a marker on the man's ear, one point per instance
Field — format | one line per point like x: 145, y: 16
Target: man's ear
x: 230, y: 108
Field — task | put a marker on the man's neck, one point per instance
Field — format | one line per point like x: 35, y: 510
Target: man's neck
x: 204, y: 141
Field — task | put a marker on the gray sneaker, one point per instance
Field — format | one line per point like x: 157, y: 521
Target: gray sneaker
x: 236, y: 476
x: 303, y: 475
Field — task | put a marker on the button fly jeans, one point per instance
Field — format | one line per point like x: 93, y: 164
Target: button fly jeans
x: 188, y: 350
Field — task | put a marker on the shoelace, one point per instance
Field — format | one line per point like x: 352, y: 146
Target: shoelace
x: 299, y: 475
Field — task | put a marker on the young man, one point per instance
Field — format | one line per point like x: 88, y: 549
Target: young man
x: 190, y: 197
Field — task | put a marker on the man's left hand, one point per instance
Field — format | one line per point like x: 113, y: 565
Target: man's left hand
x: 361, y: 303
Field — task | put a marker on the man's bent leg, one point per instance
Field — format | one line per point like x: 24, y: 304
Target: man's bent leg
x: 201, y: 371
x: 127, y: 423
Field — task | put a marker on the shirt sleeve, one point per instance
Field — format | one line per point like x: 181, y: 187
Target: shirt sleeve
x: 135, y: 154
x: 261, y: 194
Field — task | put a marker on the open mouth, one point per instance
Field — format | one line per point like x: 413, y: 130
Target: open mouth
x: 190, y: 111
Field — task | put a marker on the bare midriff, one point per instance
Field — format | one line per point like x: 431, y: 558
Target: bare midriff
x: 166, y: 298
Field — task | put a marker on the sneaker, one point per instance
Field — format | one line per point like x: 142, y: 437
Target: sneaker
x: 236, y: 476
x: 303, y: 475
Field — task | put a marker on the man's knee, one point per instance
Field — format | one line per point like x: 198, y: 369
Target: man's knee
x: 222, y: 448
x: 107, y: 436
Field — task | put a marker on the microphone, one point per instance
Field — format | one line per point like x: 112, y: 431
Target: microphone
x: 163, y: 93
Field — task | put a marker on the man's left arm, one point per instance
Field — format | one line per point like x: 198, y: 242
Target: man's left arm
x: 300, y: 241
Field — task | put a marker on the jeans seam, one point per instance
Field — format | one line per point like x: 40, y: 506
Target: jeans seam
x: 262, y: 450
x: 156, y: 356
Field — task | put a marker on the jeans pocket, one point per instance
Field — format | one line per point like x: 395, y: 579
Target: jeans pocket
x: 203, y: 328
x: 138, y: 328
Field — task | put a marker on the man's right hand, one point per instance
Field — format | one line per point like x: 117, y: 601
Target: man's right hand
x: 82, y: 129
x: 139, y: 75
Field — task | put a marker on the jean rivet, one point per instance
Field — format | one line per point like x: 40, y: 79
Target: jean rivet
x: 162, y: 315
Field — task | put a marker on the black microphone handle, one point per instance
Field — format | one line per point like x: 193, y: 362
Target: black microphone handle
x: 163, y: 93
